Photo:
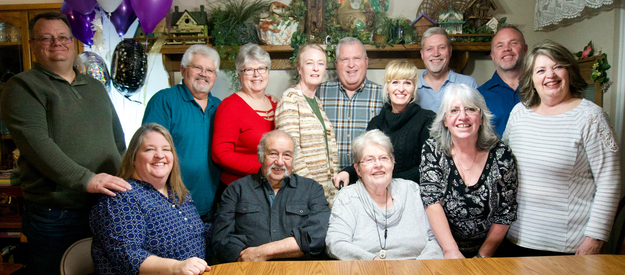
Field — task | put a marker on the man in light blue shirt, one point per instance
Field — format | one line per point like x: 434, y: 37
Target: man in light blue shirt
x: 436, y: 52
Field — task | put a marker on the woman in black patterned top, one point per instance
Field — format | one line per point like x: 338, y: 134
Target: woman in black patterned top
x: 468, y: 177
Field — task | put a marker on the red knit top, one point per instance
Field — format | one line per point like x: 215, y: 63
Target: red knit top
x: 236, y: 135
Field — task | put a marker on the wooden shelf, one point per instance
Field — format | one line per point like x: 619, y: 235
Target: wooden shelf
x: 378, y: 57
x: 7, y: 223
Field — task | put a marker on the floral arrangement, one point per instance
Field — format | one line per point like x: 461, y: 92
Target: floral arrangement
x: 599, y: 69
x: 599, y: 74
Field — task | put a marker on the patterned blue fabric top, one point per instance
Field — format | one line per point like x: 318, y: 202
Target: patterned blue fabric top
x: 349, y: 116
x: 142, y: 222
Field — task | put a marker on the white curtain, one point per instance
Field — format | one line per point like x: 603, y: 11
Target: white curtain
x: 551, y: 12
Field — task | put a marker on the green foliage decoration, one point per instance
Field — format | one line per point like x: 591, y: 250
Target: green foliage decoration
x: 231, y: 26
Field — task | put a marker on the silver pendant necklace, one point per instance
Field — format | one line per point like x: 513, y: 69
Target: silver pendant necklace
x: 382, y: 253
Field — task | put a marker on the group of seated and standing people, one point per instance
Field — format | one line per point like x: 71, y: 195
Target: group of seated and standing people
x: 402, y: 120
x: 300, y: 114
x: 379, y: 217
x: 461, y: 203
x: 243, y: 117
x: 569, y: 180
x: 468, y: 177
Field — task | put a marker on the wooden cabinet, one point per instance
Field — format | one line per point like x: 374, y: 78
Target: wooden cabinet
x: 15, y: 53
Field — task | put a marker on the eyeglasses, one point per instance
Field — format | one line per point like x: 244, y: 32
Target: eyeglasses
x: 467, y: 110
x: 250, y: 71
x: 49, y: 40
x: 199, y: 70
x: 370, y: 160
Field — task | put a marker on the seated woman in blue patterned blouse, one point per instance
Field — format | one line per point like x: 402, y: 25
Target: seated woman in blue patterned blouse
x: 154, y: 226
x: 468, y: 177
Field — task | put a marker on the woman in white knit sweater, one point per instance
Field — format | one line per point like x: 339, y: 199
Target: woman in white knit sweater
x: 567, y: 157
x: 378, y: 217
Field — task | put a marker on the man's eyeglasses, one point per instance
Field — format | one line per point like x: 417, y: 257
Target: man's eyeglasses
x: 49, y: 40
x: 199, y: 70
x: 467, y: 110
x: 250, y: 71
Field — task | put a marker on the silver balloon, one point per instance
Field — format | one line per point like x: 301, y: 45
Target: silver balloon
x: 92, y: 64
x: 129, y: 67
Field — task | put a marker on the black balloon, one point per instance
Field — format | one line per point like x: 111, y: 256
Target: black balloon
x: 129, y: 67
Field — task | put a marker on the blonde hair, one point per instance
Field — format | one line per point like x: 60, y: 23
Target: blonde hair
x: 400, y: 69
x: 128, y: 162
x: 303, y: 48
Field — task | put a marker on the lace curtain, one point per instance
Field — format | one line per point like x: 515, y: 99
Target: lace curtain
x: 551, y: 12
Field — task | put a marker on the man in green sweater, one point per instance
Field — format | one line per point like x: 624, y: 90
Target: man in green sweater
x: 70, y: 140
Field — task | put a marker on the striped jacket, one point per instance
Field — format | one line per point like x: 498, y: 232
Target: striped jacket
x: 295, y: 116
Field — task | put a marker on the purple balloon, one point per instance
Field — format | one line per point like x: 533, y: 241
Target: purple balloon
x: 123, y: 17
x: 82, y: 6
x: 80, y: 24
x: 150, y: 12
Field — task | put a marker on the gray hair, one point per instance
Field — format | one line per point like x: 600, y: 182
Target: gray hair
x: 433, y: 31
x: 249, y: 52
x: 202, y: 50
x: 375, y: 137
x: 349, y: 41
x: 470, y: 97
x: 262, y: 145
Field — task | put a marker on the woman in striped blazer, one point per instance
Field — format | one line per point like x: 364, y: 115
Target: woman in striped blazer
x: 300, y: 114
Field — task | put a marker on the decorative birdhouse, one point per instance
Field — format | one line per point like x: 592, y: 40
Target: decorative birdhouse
x: 422, y: 23
x: 159, y: 30
x: 189, y: 24
x: 478, y: 12
x: 451, y: 21
x: 492, y: 24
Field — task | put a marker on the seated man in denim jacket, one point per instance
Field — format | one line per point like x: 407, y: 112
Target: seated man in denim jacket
x: 273, y: 214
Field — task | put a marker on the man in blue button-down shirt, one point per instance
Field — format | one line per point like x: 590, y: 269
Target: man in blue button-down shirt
x: 273, y: 214
x: 507, y: 51
x: 187, y: 110
x: 436, y: 53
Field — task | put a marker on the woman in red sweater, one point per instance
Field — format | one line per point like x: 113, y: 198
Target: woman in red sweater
x: 242, y: 118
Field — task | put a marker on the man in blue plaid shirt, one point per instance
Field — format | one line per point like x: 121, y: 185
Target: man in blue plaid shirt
x: 351, y: 100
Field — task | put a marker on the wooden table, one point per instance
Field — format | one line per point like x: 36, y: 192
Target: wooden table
x: 8, y: 269
x: 586, y: 265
